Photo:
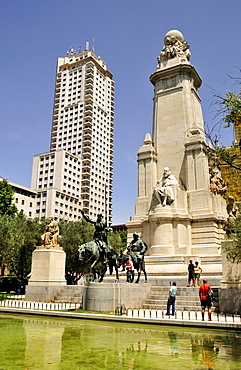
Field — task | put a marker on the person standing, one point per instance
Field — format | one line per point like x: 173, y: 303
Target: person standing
x: 197, y: 273
x: 172, y: 298
x: 205, y: 298
x: 129, y: 271
x: 190, y: 273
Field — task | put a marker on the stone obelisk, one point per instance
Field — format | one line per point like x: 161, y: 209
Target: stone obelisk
x: 176, y: 212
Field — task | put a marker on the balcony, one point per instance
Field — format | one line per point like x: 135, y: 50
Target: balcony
x: 89, y: 91
x: 85, y: 186
x: 87, y: 135
x: 86, y: 208
x: 88, y: 107
x: 87, y: 141
x: 88, y: 112
x: 87, y: 152
x: 89, y: 83
x: 89, y: 68
x: 87, y: 129
x: 89, y: 98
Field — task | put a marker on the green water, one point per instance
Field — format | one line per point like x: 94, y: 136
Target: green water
x: 35, y: 342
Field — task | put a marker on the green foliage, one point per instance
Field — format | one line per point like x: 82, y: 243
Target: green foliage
x: 231, y: 108
x: 230, y: 113
x: 6, y: 199
x: 233, y: 246
x: 118, y: 240
x: 229, y: 156
x: 74, y: 234
x: 18, y: 237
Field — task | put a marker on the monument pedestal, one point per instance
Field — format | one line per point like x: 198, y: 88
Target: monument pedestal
x: 47, y: 274
x: 107, y: 297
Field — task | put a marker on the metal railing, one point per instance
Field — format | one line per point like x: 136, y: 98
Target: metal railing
x: 180, y: 315
x: 121, y: 310
x: 49, y: 306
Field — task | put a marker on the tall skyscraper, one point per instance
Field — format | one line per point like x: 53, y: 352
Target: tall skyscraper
x: 77, y: 172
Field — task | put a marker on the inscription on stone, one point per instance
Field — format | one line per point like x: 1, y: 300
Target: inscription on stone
x: 168, y: 83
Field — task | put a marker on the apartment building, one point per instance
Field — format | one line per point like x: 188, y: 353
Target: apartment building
x: 24, y: 198
x: 77, y: 172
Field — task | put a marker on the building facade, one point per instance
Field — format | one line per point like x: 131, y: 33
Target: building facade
x: 77, y: 172
x: 24, y: 199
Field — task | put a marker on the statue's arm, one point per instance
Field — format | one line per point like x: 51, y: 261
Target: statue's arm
x: 86, y: 217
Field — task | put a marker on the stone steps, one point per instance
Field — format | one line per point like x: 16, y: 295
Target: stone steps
x: 187, y: 298
x: 68, y: 294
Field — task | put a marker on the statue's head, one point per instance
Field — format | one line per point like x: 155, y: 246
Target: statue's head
x: 51, y: 219
x: 135, y: 235
x: 231, y: 199
x: 166, y: 172
x: 172, y: 36
x: 99, y: 216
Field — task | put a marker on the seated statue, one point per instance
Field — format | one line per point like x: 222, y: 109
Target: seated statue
x: 51, y: 236
x: 164, y: 188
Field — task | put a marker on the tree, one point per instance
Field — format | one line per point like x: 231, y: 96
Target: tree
x: 6, y: 199
x: 229, y: 110
x: 118, y: 240
x: 74, y: 234
x: 18, y: 238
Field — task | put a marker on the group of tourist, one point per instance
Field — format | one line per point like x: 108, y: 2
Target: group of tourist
x: 194, y: 273
x: 205, y: 291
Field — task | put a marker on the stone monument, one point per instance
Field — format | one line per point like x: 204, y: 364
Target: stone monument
x: 48, y: 266
x: 178, y: 216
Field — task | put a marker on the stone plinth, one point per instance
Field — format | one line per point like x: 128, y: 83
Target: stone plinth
x: 107, y: 296
x: 48, y: 267
x: 47, y: 274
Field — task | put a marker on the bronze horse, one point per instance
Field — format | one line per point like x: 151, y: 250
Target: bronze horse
x: 138, y: 263
x: 92, y: 259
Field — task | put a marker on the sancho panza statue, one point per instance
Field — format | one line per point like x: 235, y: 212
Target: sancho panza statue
x: 164, y: 188
x: 51, y: 237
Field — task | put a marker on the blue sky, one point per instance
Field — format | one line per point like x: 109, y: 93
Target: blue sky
x: 129, y: 36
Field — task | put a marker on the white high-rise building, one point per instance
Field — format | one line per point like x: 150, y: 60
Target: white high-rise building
x: 77, y: 172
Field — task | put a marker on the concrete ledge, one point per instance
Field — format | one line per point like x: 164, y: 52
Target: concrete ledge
x: 137, y: 320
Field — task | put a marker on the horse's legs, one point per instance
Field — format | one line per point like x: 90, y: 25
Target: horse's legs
x: 144, y: 271
x: 138, y: 277
x: 93, y: 264
x: 132, y: 276
x: 92, y: 274
x: 102, y: 274
x: 116, y: 273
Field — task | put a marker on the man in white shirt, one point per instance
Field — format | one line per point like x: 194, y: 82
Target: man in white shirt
x: 172, y: 298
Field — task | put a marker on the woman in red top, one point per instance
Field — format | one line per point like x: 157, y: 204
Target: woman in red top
x: 205, y: 298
